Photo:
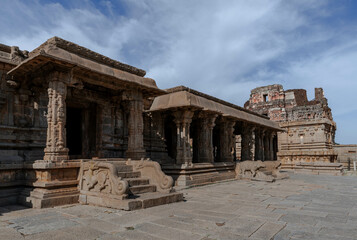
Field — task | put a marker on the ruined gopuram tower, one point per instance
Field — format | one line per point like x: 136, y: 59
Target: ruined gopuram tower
x: 308, y: 139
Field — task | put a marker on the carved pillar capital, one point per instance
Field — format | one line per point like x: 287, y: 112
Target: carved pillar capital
x: 183, y: 116
x: 59, y: 76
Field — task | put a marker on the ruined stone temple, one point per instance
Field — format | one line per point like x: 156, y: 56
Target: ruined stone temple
x: 76, y: 126
x: 308, y: 142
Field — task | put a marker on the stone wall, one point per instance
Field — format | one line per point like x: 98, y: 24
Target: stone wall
x: 346, y: 154
x: 309, y: 133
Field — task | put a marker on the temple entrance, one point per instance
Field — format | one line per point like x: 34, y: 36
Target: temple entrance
x: 74, y: 131
x: 170, y: 136
x: 81, y: 126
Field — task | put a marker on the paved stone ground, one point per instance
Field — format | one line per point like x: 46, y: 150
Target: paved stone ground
x: 302, y: 207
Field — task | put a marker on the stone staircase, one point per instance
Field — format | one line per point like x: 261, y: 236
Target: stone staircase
x: 141, y: 191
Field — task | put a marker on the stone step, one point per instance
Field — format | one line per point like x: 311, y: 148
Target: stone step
x: 142, y: 189
x: 137, y: 181
x: 124, y: 168
x: 129, y: 174
x: 147, y: 200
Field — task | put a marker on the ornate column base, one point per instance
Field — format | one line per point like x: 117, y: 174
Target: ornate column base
x: 50, y: 184
x: 56, y: 154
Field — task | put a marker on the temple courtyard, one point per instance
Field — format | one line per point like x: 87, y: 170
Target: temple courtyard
x: 302, y: 207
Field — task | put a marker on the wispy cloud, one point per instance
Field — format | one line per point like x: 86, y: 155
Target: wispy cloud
x: 224, y: 48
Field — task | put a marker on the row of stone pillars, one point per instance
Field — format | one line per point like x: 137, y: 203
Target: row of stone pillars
x: 56, y: 149
x: 257, y: 143
x: 203, y: 143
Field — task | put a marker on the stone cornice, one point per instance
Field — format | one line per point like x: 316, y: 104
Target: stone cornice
x: 195, y: 92
x: 57, y: 42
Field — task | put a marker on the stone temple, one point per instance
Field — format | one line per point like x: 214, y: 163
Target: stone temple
x: 77, y: 126
x: 308, y: 142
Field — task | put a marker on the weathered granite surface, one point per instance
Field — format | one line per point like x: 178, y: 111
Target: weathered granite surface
x: 309, y: 134
x: 302, y: 207
x: 62, y: 103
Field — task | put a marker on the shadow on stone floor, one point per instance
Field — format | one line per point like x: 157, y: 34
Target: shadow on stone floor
x: 11, y: 208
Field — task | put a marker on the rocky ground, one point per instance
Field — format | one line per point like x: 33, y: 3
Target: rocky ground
x: 302, y: 207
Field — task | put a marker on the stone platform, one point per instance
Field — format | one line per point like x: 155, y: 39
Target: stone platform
x: 302, y: 207
x: 316, y: 168
x: 200, y: 173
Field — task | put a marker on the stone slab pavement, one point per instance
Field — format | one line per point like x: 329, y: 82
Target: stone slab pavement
x: 302, y: 207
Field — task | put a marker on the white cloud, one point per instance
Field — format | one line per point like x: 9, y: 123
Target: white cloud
x: 223, y: 48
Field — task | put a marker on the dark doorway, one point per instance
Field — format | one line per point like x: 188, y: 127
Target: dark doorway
x: 74, y: 130
x: 171, y: 136
x: 275, y: 147
x: 194, y: 131
x: 216, y: 142
x: 89, y: 131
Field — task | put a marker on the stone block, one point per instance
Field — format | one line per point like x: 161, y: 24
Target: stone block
x: 268, y: 230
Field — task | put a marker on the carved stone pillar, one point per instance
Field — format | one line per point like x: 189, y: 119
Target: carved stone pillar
x: 266, y: 154
x: 246, y: 148
x: 136, y: 148
x: 259, y: 145
x: 56, y: 119
x: 252, y: 144
x: 226, y: 143
x: 271, y: 145
x: 205, y: 141
x: 183, y: 120
x: 257, y: 142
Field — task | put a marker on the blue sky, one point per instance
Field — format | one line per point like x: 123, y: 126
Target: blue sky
x: 223, y: 48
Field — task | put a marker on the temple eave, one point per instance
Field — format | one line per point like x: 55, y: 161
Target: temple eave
x: 95, y: 73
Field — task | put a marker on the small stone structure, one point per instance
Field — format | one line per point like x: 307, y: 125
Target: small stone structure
x: 77, y: 126
x: 200, y: 133
x: 307, y: 144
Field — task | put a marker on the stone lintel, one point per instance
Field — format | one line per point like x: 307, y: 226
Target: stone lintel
x: 182, y: 97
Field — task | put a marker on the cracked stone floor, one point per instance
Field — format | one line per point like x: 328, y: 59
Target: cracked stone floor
x: 302, y: 207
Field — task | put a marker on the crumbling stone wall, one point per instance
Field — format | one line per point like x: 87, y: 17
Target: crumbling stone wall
x: 290, y: 105
x: 309, y: 133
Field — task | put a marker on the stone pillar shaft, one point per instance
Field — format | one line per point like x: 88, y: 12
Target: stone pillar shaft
x: 252, y: 144
x: 205, y: 135
x: 247, y: 144
x: 226, y: 143
x: 56, y: 120
x: 262, y: 145
x: 135, y: 126
x: 183, y: 121
x: 271, y: 146
x: 266, y: 146
x: 259, y: 144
